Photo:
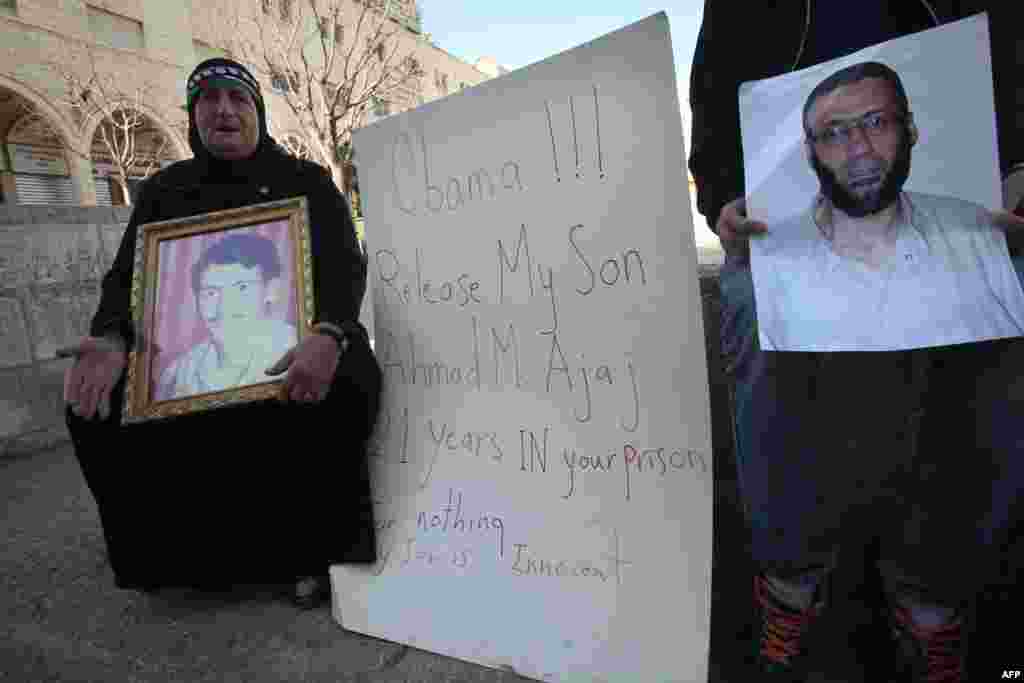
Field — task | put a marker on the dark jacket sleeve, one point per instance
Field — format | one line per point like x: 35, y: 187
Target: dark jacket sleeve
x: 114, y: 314
x: 1008, y: 86
x: 339, y: 268
x: 716, y: 149
x: 1008, y: 83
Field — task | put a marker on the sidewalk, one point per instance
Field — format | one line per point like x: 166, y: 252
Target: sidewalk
x: 63, y: 619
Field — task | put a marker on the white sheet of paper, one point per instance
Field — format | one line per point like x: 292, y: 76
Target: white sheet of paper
x: 810, y: 298
x: 543, y: 457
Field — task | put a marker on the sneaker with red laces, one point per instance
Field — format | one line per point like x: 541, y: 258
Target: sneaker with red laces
x: 931, y: 655
x: 779, y: 654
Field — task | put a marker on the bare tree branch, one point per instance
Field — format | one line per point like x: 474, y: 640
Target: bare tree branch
x: 329, y: 61
x: 91, y: 94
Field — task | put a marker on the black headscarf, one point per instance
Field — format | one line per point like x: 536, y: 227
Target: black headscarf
x: 220, y: 70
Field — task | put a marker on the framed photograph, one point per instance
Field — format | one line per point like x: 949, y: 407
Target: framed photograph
x: 218, y: 298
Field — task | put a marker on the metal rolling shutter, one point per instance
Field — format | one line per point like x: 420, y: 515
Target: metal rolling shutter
x: 103, y: 196
x: 44, y: 189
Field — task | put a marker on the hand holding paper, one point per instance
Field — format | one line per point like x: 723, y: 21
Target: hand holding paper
x: 1013, y: 225
x: 1010, y: 222
x: 735, y: 229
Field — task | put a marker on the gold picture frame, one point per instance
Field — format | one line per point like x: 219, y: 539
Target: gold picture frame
x: 165, y: 294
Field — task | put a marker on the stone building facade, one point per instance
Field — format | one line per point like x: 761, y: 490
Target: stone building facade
x: 51, y: 152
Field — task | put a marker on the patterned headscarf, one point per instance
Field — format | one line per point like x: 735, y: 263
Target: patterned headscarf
x: 224, y: 73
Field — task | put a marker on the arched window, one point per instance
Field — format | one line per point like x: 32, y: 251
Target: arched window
x: 127, y: 148
x: 33, y: 154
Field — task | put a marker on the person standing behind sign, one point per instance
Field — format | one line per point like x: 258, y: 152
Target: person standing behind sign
x: 782, y: 459
x: 265, y: 492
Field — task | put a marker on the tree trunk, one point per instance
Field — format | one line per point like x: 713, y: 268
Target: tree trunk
x: 337, y: 175
x: 341, y: 173
x: 126, y: 195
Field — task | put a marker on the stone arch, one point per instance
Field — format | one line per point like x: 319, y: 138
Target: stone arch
x: 152, y: 122
x: 60, y: 123
x: 179, y: 144
x: 32, y: 114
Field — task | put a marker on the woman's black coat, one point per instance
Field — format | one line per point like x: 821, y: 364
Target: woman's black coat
x: 254, y: 493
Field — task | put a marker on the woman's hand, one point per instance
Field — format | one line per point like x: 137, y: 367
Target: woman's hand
x: 311, y: 365
x: 99, y: 362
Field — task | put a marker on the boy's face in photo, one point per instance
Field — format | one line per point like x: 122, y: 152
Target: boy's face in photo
x: 231, y: 297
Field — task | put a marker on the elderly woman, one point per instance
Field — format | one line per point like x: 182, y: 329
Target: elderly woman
x: 266, y: 492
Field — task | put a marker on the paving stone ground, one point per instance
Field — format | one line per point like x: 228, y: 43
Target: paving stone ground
x: 64, y: 621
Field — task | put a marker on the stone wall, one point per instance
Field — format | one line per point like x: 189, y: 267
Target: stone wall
x: 51, y: 263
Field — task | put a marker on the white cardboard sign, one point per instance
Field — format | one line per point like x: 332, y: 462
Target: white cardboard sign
x: 543, y: 459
